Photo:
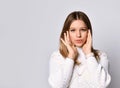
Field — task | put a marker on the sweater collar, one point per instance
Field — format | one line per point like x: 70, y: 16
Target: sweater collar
x: 79, y: 49
x: 81, y: 55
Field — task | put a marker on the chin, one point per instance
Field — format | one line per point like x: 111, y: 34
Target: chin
x: 79, y: 45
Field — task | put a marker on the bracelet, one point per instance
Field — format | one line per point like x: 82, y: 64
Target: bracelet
x: 90, y: 55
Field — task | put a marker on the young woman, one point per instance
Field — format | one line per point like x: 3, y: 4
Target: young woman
x: 77, y: 64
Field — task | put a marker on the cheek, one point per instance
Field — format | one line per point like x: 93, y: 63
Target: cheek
x: 72, y: 37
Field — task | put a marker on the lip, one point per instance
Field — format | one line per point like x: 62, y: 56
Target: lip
x: 79, y: 41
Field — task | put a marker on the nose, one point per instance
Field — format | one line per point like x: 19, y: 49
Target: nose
x: 78, y: 34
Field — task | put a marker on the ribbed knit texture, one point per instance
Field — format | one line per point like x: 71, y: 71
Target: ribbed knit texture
x: 63, y: 73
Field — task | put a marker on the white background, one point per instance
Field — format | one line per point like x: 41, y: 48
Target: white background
x: 29, y: 33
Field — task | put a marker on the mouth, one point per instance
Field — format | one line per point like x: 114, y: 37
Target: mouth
x: 78, y: 41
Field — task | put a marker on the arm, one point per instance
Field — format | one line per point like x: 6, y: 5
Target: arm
x: 99, y: 70
x: 60, y: 71
x: 104, y: 63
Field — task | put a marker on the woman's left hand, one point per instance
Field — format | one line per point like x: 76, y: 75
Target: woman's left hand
x: 88, y: 45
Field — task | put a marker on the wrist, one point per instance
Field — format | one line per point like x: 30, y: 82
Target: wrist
x: 70, y: 57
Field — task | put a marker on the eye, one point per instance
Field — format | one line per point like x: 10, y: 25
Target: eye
x: 72, y: 30
x: 84, y: 29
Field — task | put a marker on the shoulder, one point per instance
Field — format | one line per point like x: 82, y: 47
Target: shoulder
x: 103, y: 56
x: 102, y: 53
x: 103, y: 59
x: 56, y: 55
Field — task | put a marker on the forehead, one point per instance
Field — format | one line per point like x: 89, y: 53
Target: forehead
x: 78, y: 23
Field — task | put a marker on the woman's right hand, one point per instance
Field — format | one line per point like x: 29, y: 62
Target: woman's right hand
x: 72, y: 50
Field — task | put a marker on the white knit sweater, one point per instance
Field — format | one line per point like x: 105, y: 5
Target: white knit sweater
x: 89, y: 74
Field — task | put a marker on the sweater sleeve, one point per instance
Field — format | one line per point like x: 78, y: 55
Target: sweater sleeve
x: 60, y: 71
x: 99, y: 70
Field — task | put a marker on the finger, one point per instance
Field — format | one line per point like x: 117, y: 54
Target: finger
x: 89, y: 33
x: 89, y: 37
x: 63, y: 41
x: 65, y: 37
x: 68, y: 38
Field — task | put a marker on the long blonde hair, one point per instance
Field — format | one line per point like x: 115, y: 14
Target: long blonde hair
x: 76, y: 15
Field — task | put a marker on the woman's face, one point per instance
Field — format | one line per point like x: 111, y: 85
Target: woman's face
x: 78, y: 33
